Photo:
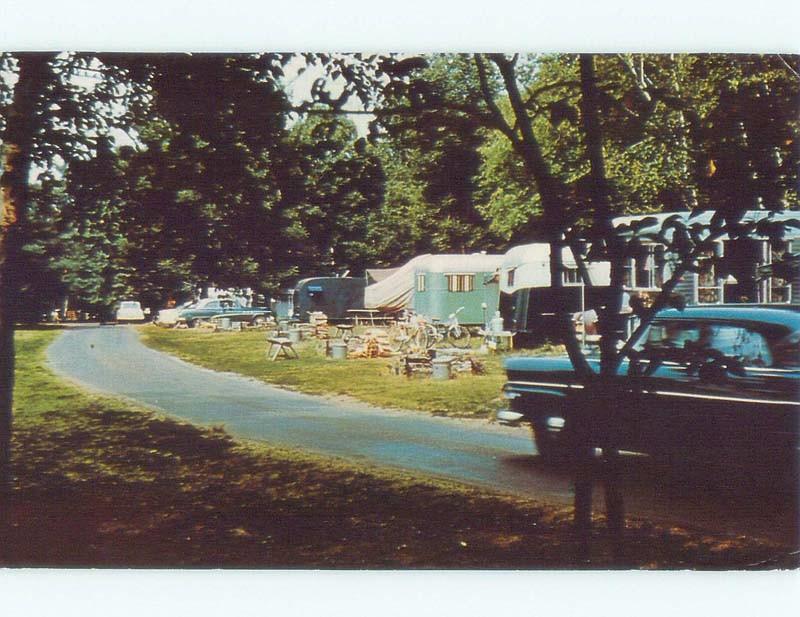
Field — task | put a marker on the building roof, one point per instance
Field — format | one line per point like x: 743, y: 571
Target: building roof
x: 703, y: 218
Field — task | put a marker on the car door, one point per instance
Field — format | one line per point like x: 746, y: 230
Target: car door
x: 732, y: 401
x: 668, y: 417
x: 755, y: 408
x: 208, y: 310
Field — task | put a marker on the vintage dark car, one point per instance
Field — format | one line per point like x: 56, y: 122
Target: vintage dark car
x: 721, y: 382
x: 216, y: 308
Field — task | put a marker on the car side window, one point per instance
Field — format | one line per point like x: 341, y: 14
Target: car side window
x: 786, y: 351
x: 748, y: 346
x: 670, y: 335
x: 212, y: 305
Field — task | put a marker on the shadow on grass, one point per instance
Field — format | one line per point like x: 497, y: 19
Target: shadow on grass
x: 98, y: 484
x: 116, y: 487
x: 761, y: 498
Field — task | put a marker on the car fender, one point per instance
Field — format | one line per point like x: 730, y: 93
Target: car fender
x: 534, y: 399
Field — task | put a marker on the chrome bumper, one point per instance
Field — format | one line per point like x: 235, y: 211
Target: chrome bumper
x: 509, y: 418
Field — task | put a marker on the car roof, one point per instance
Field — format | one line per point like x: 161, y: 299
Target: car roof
x: 788, y: 316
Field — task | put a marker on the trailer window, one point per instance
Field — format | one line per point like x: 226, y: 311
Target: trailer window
x: 460, y: 282
x: 646, y: 271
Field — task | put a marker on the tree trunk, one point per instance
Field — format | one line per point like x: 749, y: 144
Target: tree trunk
x: 554, y: 206
x: 611, y: 324
x: 556, y: 220
x: 18, y: 140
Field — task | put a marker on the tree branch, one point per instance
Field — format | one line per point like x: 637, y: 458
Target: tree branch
x: 497, y: 115
x: 662, y: 299
x: 554, y: 206
x: 641, y: 80
x: 542, y: 89
x: 610, y: 321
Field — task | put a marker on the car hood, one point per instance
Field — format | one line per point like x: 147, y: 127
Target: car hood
x: 554, y: 367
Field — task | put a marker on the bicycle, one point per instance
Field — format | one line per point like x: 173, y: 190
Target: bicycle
x: 451, y: 331
x: 409, y: 334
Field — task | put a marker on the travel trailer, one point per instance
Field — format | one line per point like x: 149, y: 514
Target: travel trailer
x: 438, y: 285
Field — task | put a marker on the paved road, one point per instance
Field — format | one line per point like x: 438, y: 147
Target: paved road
x: 112, y: 359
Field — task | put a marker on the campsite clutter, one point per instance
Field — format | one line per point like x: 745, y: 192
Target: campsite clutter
x: 425, y: 317
x: 346, y: 341
x: 434, y: 315
x: 413, y: 344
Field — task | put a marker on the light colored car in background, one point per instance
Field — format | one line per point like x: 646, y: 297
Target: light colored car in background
x: 169, y: 317
x: 130, y: 310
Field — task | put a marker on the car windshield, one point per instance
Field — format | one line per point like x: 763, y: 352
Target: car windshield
x: 753, y: 347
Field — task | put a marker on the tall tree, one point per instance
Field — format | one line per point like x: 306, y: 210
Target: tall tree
x: 440, y: 154
x: 212, y: 170
x: 49, y: 117
x: 19, y: 143
x: 336, y: 186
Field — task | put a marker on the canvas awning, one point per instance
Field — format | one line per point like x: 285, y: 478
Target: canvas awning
x: 395, y: 292
x: 376, y: 275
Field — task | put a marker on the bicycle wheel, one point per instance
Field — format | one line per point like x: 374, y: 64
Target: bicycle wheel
x: 419, y: 339
x: 459, y: 336
x: 432, y: 336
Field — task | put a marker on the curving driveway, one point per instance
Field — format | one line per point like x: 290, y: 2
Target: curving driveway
x: 111, y: 359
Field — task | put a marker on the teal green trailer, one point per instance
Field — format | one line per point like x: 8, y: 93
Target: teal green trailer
x: 445, y: 283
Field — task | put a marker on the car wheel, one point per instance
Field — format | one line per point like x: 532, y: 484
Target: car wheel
x: 258, y: 321
x: 193, y: 323
x: 554, y: 446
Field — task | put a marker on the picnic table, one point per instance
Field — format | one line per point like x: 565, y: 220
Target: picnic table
x: 495, y: 339
x: 365, y: 316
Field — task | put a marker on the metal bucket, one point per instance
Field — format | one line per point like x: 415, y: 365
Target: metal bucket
x: 295, y: 335
x: 339, y: 351
x: 225, y: 323
x: 440, y: 368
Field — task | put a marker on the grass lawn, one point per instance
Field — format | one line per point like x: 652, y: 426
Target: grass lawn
x: 101, y: 483
x: 369, y: 380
